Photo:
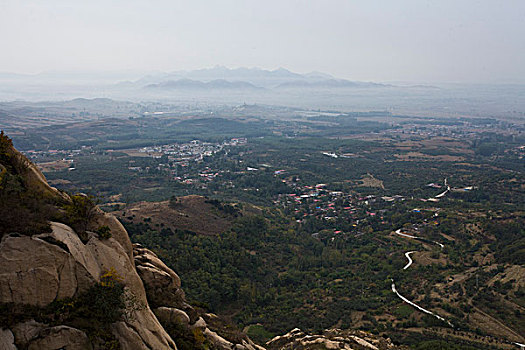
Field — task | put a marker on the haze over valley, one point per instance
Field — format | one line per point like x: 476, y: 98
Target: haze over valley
x: 244, y: 175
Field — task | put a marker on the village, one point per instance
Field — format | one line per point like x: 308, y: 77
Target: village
x: 195, y: 150
x: 337, y: 212
x: 175, y: 158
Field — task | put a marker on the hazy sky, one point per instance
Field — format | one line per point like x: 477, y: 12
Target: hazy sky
x: 389, y: 40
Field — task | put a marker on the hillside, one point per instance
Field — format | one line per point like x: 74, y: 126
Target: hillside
x: 192, y: 213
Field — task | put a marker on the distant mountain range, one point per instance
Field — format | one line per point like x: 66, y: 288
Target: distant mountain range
x: 255, y: 76
x: 329, y: 84
x: 197, y: 82
x: 189, y: 84
x: 221, y: 77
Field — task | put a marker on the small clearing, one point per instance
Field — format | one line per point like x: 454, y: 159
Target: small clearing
x: 192, y: 213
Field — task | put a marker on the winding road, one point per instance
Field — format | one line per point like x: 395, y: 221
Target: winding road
x: 416, y: 237
x: 417, y: 306
x: 410, y: 261
x: 442, y: 194
x: 407, y: 254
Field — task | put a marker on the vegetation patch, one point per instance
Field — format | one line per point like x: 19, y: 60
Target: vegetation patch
x: 259, y: 334
x: 92, y: 311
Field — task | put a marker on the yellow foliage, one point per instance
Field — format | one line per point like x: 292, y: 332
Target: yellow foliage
x: 198, y: 336
x: 3, y: 172
x: 110, y: 277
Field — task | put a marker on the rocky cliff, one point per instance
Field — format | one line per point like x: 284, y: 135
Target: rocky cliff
x: 71, y: 279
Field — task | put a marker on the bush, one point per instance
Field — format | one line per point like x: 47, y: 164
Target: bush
x: 403, y: 311
x: 104, y: 232
x: 79, y: 213
x: 5, y: 145
x: 103, y: 302
x: 92, y: 311
x: 258, y: 334
x: 174, y: 202
x: 22, y: 211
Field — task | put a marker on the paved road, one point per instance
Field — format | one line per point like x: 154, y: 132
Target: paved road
x: 416, y: 237
x: 405, y: 235
x: 410, y: 261
x: 442, y: 194
x: 417, y: 306
x: 407, y: 254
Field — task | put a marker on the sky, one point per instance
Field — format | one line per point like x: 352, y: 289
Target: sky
x: 467, y: 41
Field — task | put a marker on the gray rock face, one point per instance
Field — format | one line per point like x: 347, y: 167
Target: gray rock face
x: 27, y: 331
x: 7, y: 340
x: 118, y: 232
x: 40, y: 269
x: 37, y: 336
x: 172, y: 315
x: 162, y: 283
x: 61, y: 337
x: 142, y: 332
x: 37, y: 270
x: 217, y: 341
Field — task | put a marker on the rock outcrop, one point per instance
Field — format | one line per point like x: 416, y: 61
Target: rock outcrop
x: 331, y: 339
x: 37, y: 270
x: 34, y: 180
x: 56, y: 266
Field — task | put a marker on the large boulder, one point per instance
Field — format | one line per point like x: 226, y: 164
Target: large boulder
x: 162, y: 284
x: 61, y: 337
x: 142, y: 330
x: 39, y: 269
x: 36, y: 270
x: 167, y: 315
x: 33, y: 335
x: 118, y: 232
x: 7, y: 340
x: 25, y: 332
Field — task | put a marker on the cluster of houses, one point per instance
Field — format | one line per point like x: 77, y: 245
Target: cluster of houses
x: 182, y: 155
x: 319, y: 202
x: 185, y: 153
x: 55, y: 153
